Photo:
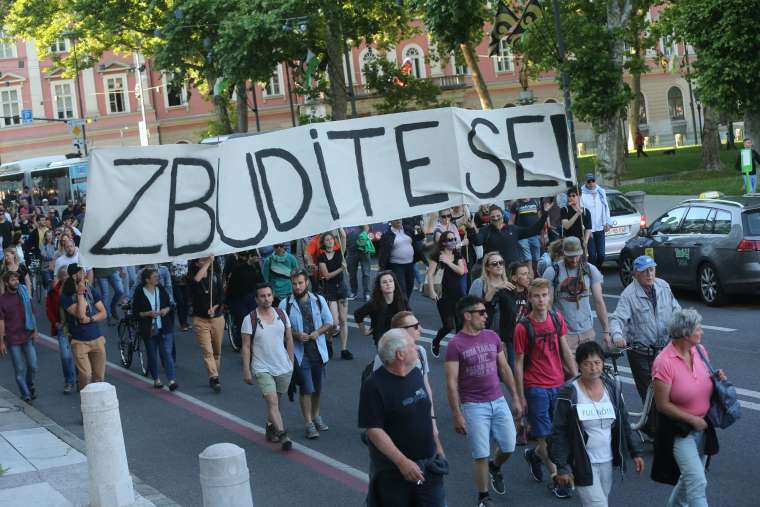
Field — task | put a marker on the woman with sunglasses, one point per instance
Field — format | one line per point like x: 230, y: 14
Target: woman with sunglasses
x: 387, y: 299
x: 446, y: 224
x: 446, y: 257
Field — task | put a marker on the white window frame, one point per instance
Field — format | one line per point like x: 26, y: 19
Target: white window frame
x: 57, y: 49
x: 683, y: 104
x: 505, y: 56
x: 72, y: 87
x: 278, y: 73
x: 419, y: 70
x: 673, y: 47
x: 20, y: 101
x: 166, y: 77
x: 125, y: 91
x: 7, y: 47
x: 362, y: 54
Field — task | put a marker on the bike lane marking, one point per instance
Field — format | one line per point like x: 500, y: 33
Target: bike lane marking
x: 704, y: 326
x: 323, y: 464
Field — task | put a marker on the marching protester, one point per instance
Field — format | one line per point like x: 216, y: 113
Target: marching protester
x: 590, y: 430
x: 552, y: 255
x: 47, y: 256
x: 207, y: 296
x: 110, y: 277
x: 267, y: 346
x: 310, y: 320
x: 359, y: 251
x: 475, y: 364
x: 278, y: 268
x: 400, y: 249
x: 447, y: 269
x: 575, y: 283
x: 58, y: 328
x: 387, y: 300
x: 683, y: 388
x: 594, y: 199
x: 407, y: 462
x: 572, y: 223
x: 541, y: 356
x: 640, y: 321
x: 526, y: 213
x: 151, y: 303
x: 178, y: 270
x: 84, y: 309
x: 446, y: 224
x: 244, y: 276
x: 69, y: 256
x: 18, y: 331
x: 334, y: 288
x: 12, y: 264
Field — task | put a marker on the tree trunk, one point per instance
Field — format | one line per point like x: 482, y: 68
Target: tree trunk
x: 711, y: 140
x: 334, y: 45
x: 633, y: 111
x: 220, y: 105
x: 241, y: 107
x: 752, y: 126
x: 609, y: 150
x: 471, y: 59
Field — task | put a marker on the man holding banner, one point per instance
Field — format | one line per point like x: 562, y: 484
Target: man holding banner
x: 207, y: 296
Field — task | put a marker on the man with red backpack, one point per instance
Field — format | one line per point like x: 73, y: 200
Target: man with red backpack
x: 540, y: 351
x: 267, y: 345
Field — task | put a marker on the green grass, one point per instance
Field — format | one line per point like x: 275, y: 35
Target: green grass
x: 699, y: 181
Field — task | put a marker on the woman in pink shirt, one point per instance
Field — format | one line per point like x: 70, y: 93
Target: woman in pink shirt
x: 682, y: 392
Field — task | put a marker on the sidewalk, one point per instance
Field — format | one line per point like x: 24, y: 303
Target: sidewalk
x: 45, y: 465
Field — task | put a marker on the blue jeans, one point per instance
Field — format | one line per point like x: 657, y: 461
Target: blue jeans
x: 309, y: 375
x: 114, y: 280
x: 531, y: 248
x: 390, y: 488
x: 489, y: 420
x: 67, y: 360
x: 161, y: 345
x: 691, y: 486
x: 24, y: 359
x: 405, y: 276
x: 358, y: 261
x: 596, y: 249
x: 750, y: 183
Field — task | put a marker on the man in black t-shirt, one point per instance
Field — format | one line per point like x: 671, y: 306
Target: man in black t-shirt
x: 395, y: 408
x: 572, y: 225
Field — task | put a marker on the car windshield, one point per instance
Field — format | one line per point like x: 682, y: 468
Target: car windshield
x: 619, y: 205
x: 753, y: 223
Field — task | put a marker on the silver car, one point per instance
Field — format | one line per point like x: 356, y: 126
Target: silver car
x: 626, y: 222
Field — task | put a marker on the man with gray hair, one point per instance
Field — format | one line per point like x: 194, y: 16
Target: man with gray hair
x: 406, y: 457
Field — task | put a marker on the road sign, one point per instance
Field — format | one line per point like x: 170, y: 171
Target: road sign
x: 26, y: 116
x: 75, y: 122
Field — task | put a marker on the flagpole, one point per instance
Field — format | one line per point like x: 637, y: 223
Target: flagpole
x: 565, y: 84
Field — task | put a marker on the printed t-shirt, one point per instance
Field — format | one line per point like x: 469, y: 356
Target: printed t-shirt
x: 545, y: 368
x: 478, y: 367
x: 573, y: 300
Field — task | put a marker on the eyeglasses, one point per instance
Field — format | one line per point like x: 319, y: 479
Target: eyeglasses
x: 414, y: 326
x: 445, y: 216
x: 496, y: 263
x: 482, y: 312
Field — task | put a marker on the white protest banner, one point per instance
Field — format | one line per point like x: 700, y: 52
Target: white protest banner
x: 158, y: 203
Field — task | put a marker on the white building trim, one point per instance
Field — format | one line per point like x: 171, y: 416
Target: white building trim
x: 35, y: 80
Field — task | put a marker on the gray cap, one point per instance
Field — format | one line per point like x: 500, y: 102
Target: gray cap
x: 571, y: 247
x: 590, y: 176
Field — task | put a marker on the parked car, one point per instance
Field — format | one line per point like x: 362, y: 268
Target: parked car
x: 708, y: 245
x: 626, y: 222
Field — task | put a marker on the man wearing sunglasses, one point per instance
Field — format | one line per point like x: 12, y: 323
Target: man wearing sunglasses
x: 475, y: 362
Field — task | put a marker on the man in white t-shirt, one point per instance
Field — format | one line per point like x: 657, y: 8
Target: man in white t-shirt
x: 70, y: 256
x: 267, y: 342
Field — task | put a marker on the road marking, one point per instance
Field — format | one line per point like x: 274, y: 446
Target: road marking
x: 704, y: 326
x: 342, y: 472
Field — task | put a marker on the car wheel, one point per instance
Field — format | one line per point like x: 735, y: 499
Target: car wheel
x: 625, y: 268
x: 710, y: 290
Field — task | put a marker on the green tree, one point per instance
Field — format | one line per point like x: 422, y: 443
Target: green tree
x: 399, y: 92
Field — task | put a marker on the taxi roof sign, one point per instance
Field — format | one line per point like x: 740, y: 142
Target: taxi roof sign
x: 711, y: 195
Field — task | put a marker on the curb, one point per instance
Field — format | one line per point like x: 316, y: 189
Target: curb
x: 143, y: 489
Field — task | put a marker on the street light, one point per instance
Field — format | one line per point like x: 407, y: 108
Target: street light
x: 73, y: 37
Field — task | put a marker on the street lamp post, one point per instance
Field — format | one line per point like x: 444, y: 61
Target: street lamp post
x: 79, y: 90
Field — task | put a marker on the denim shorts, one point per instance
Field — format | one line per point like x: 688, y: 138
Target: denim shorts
x: 309, y: 375
x: 540, y: 406
x: 487, y: 420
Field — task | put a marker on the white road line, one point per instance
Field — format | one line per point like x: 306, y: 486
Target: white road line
x: 327, y: 460
x: 704, y: 326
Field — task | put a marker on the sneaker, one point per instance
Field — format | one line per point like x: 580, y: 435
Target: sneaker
x: 497, y: 480
x: 215, y: 385
x: 311, y: 431
x: 319, y: 423
x: 33, y: 392
x: 173, y: 386
x: 435, y: 348
x: 271, y: 433
x: 67, y: 388
x: 351, y: 297
x: 286, y: 444
x: 536, y: 472
x: 561, y: 491
x: 485, y: 502
x: 346, y: 354
x: 522, y: 436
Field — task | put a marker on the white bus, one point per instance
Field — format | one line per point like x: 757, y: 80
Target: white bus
x: 56, y: 178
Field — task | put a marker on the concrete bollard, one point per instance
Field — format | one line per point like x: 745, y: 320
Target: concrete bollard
x: 110, y: 482
x: 225, y: 481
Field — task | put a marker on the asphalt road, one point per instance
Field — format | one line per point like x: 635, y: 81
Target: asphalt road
x: 164, y: 433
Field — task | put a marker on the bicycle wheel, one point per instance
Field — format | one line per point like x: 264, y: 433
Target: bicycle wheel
x: 229, y: 331
x: 139, y: 352
x: 125, y: 343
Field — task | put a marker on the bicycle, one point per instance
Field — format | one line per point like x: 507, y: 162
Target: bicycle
x: 37, y: 276
x: 130, y: 344
x: 637, y: 420
x: 229, y: 331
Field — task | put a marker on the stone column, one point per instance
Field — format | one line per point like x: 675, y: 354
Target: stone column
x: 110, y: 482
x: 225, y: 480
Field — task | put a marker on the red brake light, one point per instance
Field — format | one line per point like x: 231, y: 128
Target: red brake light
x: 643, y: 221
x: 748, y: 245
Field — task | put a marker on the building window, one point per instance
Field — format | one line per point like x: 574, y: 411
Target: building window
x: 175, y: 94
x: 10, y: 101
x: 643, y: 109
x: 668, y: 47
x: 675, y: 103
x: 504, y: 61
x: 273, y: 87
x: 416, y: 56
x: 366, y: 57
x: 7, y: 46
x: 59, y: 46
x: 116, y: 94
x: 63, y: 99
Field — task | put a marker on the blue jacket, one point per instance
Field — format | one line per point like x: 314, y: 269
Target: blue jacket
x: 296, y: 323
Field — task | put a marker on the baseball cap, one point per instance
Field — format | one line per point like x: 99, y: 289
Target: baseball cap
x: 643, y: 262
x: 590, y: 177
x: 571, y: 247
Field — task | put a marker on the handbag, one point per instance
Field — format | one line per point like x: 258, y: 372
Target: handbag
x: 437, y: 283
x: 725, y: 409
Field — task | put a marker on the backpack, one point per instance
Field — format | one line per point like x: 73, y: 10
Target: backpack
x: 289, y: 303
x: 255, y: 321
x: 583, y: 270
x: 528, y: 325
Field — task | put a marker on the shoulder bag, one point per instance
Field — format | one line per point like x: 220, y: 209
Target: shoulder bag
x: 725, y: 409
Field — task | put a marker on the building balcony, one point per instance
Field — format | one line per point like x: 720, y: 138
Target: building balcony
x: 455, y: 82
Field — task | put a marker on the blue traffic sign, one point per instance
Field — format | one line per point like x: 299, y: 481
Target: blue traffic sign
x: 26, y: 116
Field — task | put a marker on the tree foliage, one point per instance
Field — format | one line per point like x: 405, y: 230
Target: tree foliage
x: 400, y: 92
